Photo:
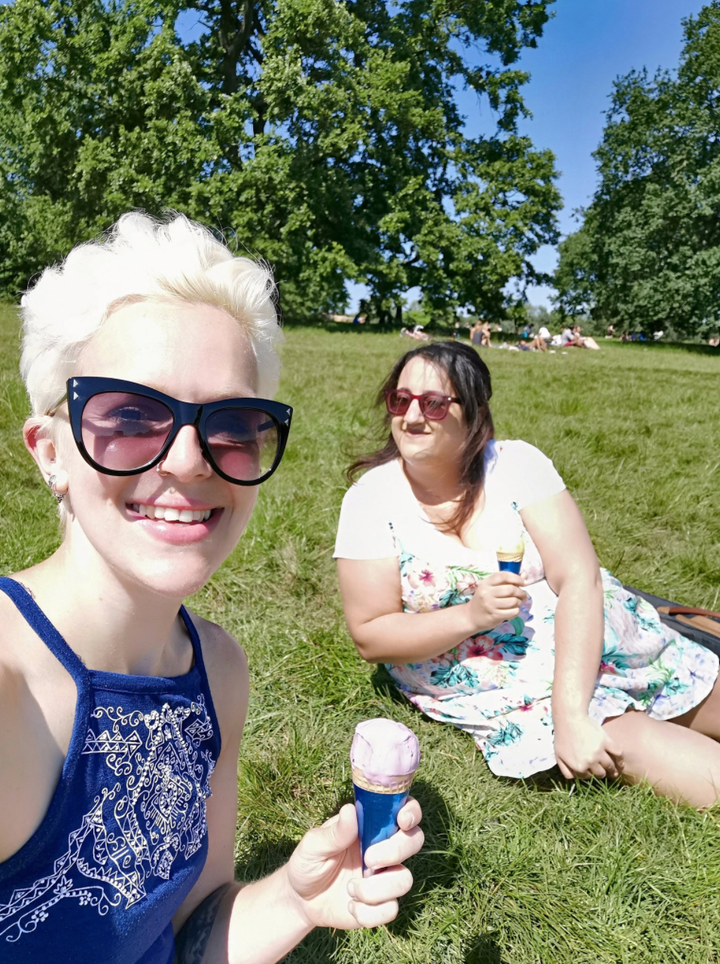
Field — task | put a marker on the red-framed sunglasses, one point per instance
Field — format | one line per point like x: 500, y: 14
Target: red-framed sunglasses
x: 434, y: 406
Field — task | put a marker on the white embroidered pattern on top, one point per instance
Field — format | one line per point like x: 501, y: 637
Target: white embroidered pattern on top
x: 138, y: 826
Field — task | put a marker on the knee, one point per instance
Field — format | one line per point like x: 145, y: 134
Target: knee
x: 634, y: 731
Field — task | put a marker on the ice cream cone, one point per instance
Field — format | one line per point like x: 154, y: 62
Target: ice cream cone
x: 511, y: 545
x: 384, y: 758
x: 510, y: 561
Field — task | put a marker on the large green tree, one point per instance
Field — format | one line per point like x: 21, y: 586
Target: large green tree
x: 647, y: 255
x: 324, y: 135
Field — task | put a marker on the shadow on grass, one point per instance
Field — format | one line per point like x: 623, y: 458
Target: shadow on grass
x: 484, y: 951
x: 692, y: 347
x: 436, y: 329
x: 340, y: 327
x: 435, y: 867
x: 384, y: 685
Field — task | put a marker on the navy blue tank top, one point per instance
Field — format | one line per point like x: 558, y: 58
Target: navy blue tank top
x: 124, y: 838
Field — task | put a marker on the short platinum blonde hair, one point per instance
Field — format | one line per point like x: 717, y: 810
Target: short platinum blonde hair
x: 141, y: 258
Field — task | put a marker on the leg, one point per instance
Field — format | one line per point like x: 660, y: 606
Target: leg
x: 705, y: 717
x: 679, y: 763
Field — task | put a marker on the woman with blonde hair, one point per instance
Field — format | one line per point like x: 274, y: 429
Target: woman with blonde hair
x: 150, y: 361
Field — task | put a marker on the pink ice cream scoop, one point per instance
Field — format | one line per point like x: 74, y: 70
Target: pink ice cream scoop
x: 384, y: 757
x: 385, y: 754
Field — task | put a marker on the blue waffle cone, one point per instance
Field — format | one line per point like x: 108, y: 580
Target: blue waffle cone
x: 377, y: 809
x: 509, y: 565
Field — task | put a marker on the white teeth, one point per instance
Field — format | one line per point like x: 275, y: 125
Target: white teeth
x: 171, y: 515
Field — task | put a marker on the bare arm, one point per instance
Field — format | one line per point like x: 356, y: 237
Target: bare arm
x: 224, y: 922
x: 255, y: 924
x: 383, y: 633
x: 558, y: 530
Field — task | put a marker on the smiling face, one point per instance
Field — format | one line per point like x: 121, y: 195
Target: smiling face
x: 422, y: 442
x: 166, y: 530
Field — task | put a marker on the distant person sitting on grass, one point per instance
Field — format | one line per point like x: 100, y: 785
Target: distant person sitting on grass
x: 149, y: 359
x: 557, y: 664
x: 573, y: 338
x: 541, y: 341
x: 480, y: 334
x: 567, y: 338
x: 418, y: 333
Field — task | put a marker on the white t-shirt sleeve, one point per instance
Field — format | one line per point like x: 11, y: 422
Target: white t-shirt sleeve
x: 530, y: 475
x: 364, y: 528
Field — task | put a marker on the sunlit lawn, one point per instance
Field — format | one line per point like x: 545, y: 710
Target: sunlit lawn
x: 512, y: 873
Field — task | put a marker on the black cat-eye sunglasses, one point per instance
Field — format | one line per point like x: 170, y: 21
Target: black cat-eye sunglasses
x: 122, y: 428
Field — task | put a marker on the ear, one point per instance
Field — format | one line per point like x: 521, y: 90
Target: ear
x: 40, y: 444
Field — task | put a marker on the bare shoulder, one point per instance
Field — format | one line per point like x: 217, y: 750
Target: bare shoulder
x: 227, y: 670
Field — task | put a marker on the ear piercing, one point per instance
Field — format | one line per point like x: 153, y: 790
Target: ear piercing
x: 59, y: 496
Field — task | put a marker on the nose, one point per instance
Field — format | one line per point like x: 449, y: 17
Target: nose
x: 185, y: 459
x: 414, y: 413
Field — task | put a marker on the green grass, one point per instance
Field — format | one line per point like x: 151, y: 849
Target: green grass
x: 512, y: 873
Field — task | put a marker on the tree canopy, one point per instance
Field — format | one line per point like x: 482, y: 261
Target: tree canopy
x: 647, y: 256
x: 323, y: 135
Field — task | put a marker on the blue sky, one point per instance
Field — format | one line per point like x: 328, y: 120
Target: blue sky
x: 586, y: 45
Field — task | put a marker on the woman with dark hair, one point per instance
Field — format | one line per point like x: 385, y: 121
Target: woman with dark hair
x: 556, y: 663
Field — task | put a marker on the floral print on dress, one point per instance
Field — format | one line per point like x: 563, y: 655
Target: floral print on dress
x: 497, y: 685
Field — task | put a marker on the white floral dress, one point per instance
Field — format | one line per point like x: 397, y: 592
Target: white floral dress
x: 497, y: 685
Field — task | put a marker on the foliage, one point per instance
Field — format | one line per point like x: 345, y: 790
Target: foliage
x: 574, y: 279
x: 323, y: 134
x: 513, y: 872
x: 647, y: 256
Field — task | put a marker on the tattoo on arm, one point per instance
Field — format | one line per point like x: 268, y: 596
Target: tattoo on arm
x: 192, y: 939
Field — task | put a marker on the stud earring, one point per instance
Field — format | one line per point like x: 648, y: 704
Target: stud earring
x: 59, y: 496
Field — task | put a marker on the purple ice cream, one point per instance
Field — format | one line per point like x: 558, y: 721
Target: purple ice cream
x: 385, y: 754
x: 384, y: 757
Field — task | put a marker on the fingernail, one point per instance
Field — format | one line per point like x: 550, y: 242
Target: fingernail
x: 410, y: 820
x: 352, y: 889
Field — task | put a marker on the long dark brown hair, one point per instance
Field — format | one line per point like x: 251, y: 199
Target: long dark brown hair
x: 470, y: 380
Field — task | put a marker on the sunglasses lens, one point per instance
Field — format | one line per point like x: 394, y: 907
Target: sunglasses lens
x: 243, y: 442
x: 124, y: 431
x: 434, y: 406
x: 397, y: 402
